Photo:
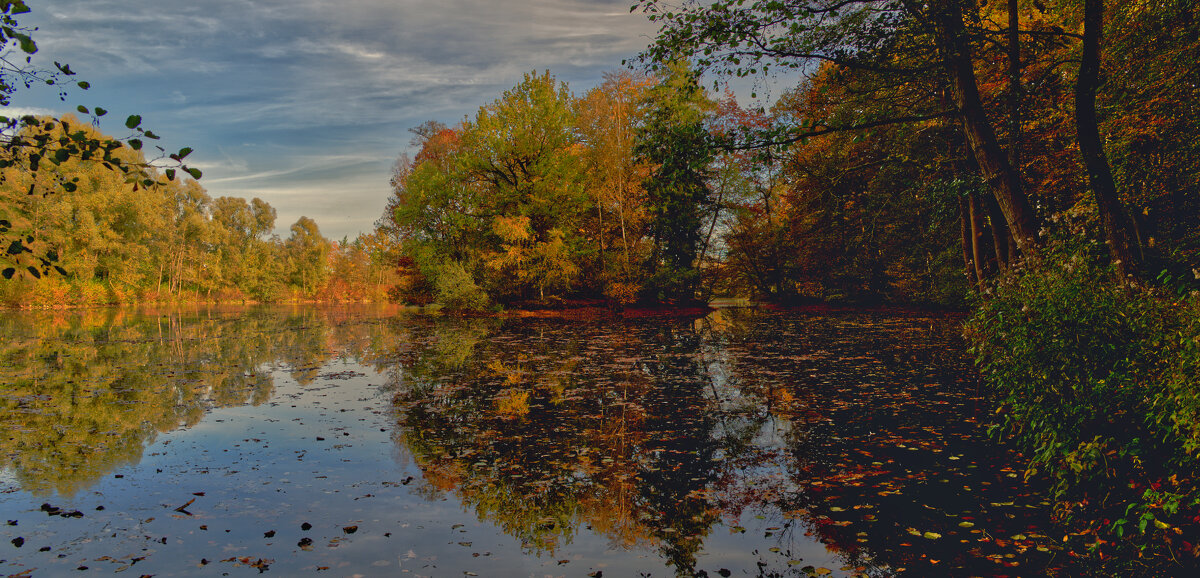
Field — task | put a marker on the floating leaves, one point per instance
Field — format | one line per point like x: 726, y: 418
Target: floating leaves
x: 849, y: 432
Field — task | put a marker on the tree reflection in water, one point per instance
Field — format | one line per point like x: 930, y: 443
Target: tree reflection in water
x: 86, y: 392
x: 855, y: 429
x: 848, y: 435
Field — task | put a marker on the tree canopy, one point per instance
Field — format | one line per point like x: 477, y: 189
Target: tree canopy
x: 37, y: 146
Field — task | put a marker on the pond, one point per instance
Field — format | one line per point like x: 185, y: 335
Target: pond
x: 377, y: 442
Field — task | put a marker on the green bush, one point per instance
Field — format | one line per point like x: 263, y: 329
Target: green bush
x: 672, y: 286
x: 1098, y: 383
x: 456, y: 290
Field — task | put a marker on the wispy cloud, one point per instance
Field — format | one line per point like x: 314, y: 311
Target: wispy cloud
x: 293, y: 99
x: 20, y: 111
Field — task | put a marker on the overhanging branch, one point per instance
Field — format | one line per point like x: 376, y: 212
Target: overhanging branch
x: 815, y: 132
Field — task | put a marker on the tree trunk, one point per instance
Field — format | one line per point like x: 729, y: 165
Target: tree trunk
x: 600, y: 227
x: 999, y: 174
x: 1001, y: 238
x: 624, y: 237
x: 982, y: 273
x: 712, y: 226
x: 965, y: 227
x: 1014, y: 87
x: 1118, y: 228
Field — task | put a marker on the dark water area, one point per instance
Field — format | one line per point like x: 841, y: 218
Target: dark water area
x: 376, y: 442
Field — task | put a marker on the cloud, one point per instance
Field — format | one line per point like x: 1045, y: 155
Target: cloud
x: 20, y: 111
x: 292, y: 99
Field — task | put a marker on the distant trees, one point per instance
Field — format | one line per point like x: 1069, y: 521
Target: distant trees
x: 171, y: 241
x: 307, y: 252
x: 640, y: 191
x: 36, y: 147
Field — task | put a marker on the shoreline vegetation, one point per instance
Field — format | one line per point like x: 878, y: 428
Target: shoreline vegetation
x: 564, y: 309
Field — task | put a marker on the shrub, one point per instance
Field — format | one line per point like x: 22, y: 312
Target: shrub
x: 50, y: 292
x: 1098, y: 383
x: 17, y: 292
x: 622, y: 293
x: 412, y: 286
x: 456, y: 290
x: 88, y: 293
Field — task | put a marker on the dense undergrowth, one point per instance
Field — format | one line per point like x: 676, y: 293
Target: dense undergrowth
x: 1097, y: 382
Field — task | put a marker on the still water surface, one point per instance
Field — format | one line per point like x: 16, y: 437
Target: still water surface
x: 377, y: 442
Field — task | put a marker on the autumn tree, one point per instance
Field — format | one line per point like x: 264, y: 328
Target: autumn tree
x: 307, y: 253
x: 607, y: 120
x: 522, y: 150
x: 1148, y: 109
x: 904, y: 41
x: 501, y: 197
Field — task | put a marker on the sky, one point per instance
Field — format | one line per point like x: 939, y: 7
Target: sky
x: 306, y: 104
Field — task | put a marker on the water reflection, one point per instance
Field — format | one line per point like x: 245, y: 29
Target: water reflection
x: 85, y: 392
x: 778, y: 443
x: 855, y: 430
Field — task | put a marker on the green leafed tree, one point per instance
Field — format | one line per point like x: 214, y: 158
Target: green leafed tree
x: 523, y: 152
x: 501, y: 198
x: 676, y: 144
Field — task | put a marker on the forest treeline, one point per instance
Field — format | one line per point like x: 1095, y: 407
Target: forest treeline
x: 921, y: 155
x: 866, y: 182
x: 633, y: 192
x: 858, y: 184
x: 168, y: 240
x: 627, y: 193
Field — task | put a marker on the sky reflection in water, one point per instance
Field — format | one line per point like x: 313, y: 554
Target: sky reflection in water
x: 742, y: 443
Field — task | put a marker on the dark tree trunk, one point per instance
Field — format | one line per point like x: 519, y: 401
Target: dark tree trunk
x: 1001, y: 238
x: 1118, y: 228
x: 1014, y: 87
x: 999, y: 174
x: 982, y: 272
x: 965, y: 227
